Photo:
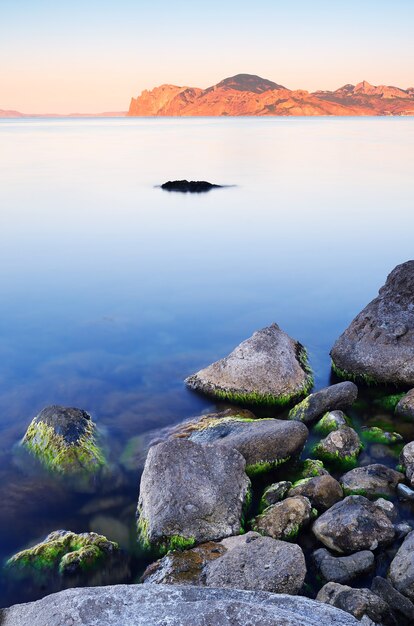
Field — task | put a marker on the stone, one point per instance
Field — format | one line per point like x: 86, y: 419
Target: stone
x: 407, y: 461
x: 192, y: 186
x: 378, y: 346
x: 268, y: 368
x: 191, y: 494
x: 338, y: 396
x: 402, y: 607
x: 405, y: 493
x: 313, y: 467
x: 340, y: 448
x: 405, y: 407
x: 264, y: 443
x: 375, y: 434
x: 387, y: 507
x: 401, y: 572
x: 64, y: 440
x: 402, y: 529
x: 157, y: 605
x: 285, y: 519
x: 343, y: 569
x: 274, y: 493
x: 372, y: 481
x: 332, y: 420
x: 352, y: 525
x: 358, y: 602
x: 322, y: 491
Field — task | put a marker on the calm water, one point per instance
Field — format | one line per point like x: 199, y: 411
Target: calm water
x: 112, y: 290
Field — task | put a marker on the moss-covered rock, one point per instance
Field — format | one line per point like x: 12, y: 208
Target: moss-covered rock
x: 340, y: 448
x: 285, y: 519
x: 375, y: 434
x: 312, y: 468
x: 274, y: 493
x: 332, y: 420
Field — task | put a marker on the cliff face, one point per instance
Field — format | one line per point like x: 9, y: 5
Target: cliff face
x: 246, y: 94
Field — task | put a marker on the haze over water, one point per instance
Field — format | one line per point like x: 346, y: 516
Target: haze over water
x: 114, y: 290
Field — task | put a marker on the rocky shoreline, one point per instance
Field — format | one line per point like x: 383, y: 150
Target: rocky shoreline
x: 237, y: 511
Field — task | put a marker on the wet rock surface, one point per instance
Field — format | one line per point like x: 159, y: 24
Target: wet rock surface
x: 274, y: 493
x: 285, y: 519
x: 379, y: 343
x: 340, y: 447
x: 157, y: 605
x: 352, y: 525
x: 402, y: 607
x: 338, y: 396
x: 405, y: 407
x: 407, y: 461
x: 343, y: 569
x: 322, y: 491
x: 332, y: 420
x: 191, y: 494
x: 401, y: 572
x: 372, y: 481
x: 191, y: 186
x: 358, y: 602
x: 268, y: 368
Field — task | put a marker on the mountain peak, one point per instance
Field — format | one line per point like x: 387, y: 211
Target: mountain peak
x: 247, y: 82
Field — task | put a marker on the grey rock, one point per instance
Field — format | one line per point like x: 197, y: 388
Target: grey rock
x: 405, y: 407
x: 337, y: 396
x: 340, y: 447
x: 354, y: 524
x: 405, y: 493
x: 387, y: 507
x: 274, y: 493
x: 401, y: 572
x: 332, y: 420
x: 402, y: 529
x: 371, y: 481
x: 191, y: 494
x: 158, y: 605
x: 343, y: 569
x: 270, y: 367
x: 322, y: 491
x: 358, y: 602
x: 379, y: 343
x: 402, y: 607
x: 407, y: 461
x: 285, y: 519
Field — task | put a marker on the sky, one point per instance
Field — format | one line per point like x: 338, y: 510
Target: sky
x: 90, y: 56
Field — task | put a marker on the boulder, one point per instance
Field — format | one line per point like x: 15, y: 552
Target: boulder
x: 407, y: 461
x: 274, y: 493
x: 264, y: 443
x: 358, y: 602
x: 338, y: 396
x: 332, y: 420
x: 285, y: 519
x: 322, y: 491
x: 343, y: 569
x: 64, y: 440
x: 340, y: 448
x: 157, y: 605
x: 191, y: 186
x: 191, y: 494
x: 352, y: 525
x: 268, y: 368
x: 405, y: 407
x: 372, y: 481
x: 402, y: 607
x: 378, y: 346
x: 401, y: 572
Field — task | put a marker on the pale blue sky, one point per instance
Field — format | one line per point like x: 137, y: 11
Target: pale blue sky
x: 93, y: 56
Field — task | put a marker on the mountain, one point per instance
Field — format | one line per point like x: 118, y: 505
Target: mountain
x: 248, y: 94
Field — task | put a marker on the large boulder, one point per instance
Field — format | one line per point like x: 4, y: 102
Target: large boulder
x: 337, y: 396
x: 378, y: 346
x: 401, y: 572
x: 285, y: 519
x: 372, y: 481
x: 354, y: 524
x: 157, y: 605
x: 343, y: 569
x: 64, y: 440
x: 247, y: 561
x: 191, y: 494
x: 322, y: 491
x: 268, y: 368
x: 358, y: 602
x: 264, y: 443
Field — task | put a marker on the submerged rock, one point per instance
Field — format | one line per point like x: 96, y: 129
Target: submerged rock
x: 285, y: 519
x: 405, y: 407
x: 158, y: 605
x: 354, y: 524
x: 358, y: 602
x: 343, y: 569
x: 338, y: 396
x: 340, y: 447
x: 192, y: 186
x: 322, y: 491
x: 64, y: 441
x: 332, y: 420
x: 191, y: 494
x: 378, y: 346
x: 372, y: 481
x: 264, y: 443
x: 267, y: 368
x: 401, y: 572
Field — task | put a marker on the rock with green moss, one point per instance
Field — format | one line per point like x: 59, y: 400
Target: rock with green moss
x: 64, y: 440
x: 407, y: 461
x: 268, y: 368
x: 190, y: 494
x: 372, y: 481
x: 405, y: 406
x: 311, y: 468
x: 339, y: 396
x: 67, y: 559
x: 322, y: 491
x: 340, y: 448
x: 285, y: 519
x: 332, y: 420
x: 375, y: 434
x: 274, y: 493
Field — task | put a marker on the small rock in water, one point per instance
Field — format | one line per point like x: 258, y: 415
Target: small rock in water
x: 402, y: 529
x: 405, y: 493
x: 332, y: 420
x: 407, y: 461
x: 405, y: 407
x: 285, y: 519
x: 340, y: 447
x: 274, y: 493
x: 358, y: 602
x: 313, y: 467
x: 372, y: 481
x: 338, y: 396
x: 343, y: 569
x: 192, y: 186
x: 322, y: 491
x: 378, y: 435
x: 387, y: 507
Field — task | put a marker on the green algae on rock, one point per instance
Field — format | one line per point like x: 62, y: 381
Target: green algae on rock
x: 340, y: 448
x: 332, y: 420
x: 375, y: 434
x: 64, y: 441
x: 269, y: 368
x: 337, y: 396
